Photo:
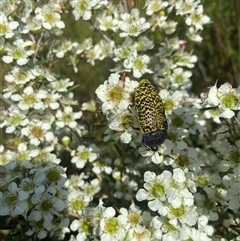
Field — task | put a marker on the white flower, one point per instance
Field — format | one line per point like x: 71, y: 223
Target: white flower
x: 111, y: 228
x: 83, y: 155
x: 90, y: 189
x: 132, y: 25
x: 186, y: 60
x: 123, y: 122
x: 89, y: 106
x: 77, y: 201
x: 63, y: 48
x: 49, y: 99
x: 225, y: 98
x: 114, y: 93
x: 138, y: 64
x: 131, y: 217
x: 126, y: 50
x: 20, y: 51
x: 197, y: 18
x: 49, y: 17
x: 37, y: 132
x: 155, y: 6
x: 181, y: 78
x: 19, y: 75
x: 67, y: 117
x: 28, y: 99
x: 155, y: 189
x: 16, y: 118
x: 7, y: 28
x: 186, y: 7
x: 83, y: 8
x: 171, y: 100
x: 61, y: 85
x: 139, y: 233
x: 107, y: 22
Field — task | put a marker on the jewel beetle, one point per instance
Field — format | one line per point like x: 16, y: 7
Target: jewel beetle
x: 151, y: 115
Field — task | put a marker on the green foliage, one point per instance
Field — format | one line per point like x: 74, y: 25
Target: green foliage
x: 218, y: 55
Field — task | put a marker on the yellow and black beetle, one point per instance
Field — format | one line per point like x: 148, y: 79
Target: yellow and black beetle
x: 151, y: 115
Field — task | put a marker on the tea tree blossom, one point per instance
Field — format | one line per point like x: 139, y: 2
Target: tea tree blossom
x: 126, y: 50
x: 6, y: 27
x: 226, y: 98
x: 132, y: 25
x: 110, y: 227
x: 107, y: 22
x: 197, y: 19
x: 154, y: 6
x: 114, y: 93
x: 37, y: 131
x: 134, y: 217
x: 16, y: 118
x: 37, y: 197
x: 123, y: 122
x: 19, y: 51
x: 28, y: 99
x: 77, y: 201
x: 83, y: 155
x: 19, y: 75
x: 89, y: 106
x: 67, y: 117
x: 139, y: 64
x: 61, y: 85
x: 49, y: 17
x: 83, y: 8
x: 155, y: 188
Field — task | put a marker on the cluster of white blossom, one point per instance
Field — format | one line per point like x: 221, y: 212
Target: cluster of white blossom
x: 33, y: 185
x: 180, y: 191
